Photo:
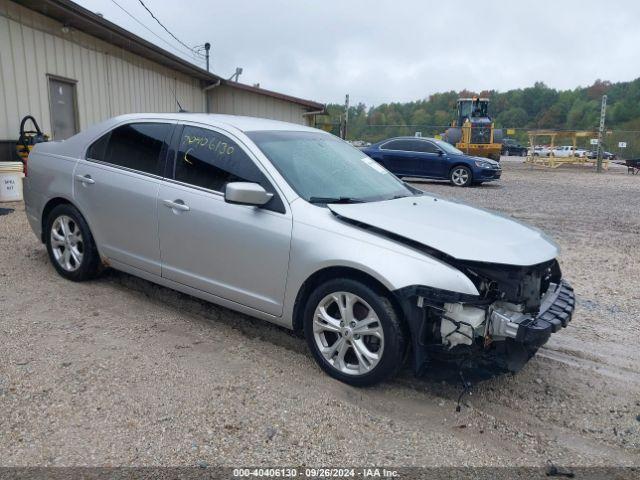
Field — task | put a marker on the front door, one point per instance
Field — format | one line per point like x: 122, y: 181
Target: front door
x: 62, y: 100
x: 432, y: 161
x: 236, y: 252
x: 116, y: 189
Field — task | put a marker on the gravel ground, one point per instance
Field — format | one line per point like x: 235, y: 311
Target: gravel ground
x: 119, y: 371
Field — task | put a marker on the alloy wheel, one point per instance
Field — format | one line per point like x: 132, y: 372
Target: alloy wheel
x: 67, y: 244
x: 460, y: 176
x: 348, y: 333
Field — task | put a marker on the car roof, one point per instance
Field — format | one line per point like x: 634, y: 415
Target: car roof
x: 407, y: 138
x: 242, y: 123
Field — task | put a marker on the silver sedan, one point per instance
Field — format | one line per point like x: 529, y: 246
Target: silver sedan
x: 292, y: 225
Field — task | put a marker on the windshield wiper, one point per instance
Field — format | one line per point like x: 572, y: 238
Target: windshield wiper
x: 334, y: 200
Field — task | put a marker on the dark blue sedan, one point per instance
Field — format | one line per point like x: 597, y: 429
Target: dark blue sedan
x: 430, y: 158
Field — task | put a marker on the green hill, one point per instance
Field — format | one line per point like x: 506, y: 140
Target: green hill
x: 529, y: 108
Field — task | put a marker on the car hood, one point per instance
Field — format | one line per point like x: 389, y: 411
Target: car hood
x: 455, y: 229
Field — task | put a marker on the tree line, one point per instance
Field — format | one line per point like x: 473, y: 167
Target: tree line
x: 536, y: 107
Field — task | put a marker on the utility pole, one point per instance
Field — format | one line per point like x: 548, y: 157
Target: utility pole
x: 603, y: 111
x: 207, y: 47
x: 346, y: 117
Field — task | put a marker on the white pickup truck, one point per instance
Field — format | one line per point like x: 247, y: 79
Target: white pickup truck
x: 568, y: 151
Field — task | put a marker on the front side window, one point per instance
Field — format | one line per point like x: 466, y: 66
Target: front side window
x: 425, y: 147
x: 136, y: 146
x: 322, y: 168
x: 210, y: 160
x: 448, y: 148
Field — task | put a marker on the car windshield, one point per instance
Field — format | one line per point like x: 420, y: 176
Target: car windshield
x: 322, y: 168
x: 448, y: 148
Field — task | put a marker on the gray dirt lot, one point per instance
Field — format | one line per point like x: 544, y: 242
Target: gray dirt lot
x: 121, y: 372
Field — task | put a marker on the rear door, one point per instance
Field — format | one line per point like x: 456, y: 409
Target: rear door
x: 399, y: 156
x: 236, y: 252
x: 116, y: 189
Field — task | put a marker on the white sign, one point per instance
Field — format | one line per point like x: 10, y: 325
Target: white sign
x: 418, y: 134
x: 622, y: 144
x: 594, y: 141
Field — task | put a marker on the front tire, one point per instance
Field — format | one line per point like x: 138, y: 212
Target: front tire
x: 70, y: 245
x: 353, y: 332
x: 461, y: 176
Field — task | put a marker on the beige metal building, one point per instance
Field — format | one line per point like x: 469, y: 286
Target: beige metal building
x: 70, y: 68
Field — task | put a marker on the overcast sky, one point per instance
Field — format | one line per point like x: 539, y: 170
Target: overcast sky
x: 381, y: 50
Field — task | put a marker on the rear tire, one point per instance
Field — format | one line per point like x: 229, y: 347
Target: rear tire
x: 354, y: 332
x: 461, y: 176
x: 70, y: 245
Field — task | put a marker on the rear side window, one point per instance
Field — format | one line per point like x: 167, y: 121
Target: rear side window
x: 136, y: 146
x: 210, y: 160
x: 404, y: 145
x: 410, y: 145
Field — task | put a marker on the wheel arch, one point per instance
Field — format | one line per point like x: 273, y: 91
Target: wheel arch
x: 53, y: 203
x: 329, y: 273
x: 47, y: 209
x: 460, y: 164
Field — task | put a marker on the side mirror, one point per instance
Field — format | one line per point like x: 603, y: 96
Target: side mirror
x: 440, y: 152
x: 246, y: 193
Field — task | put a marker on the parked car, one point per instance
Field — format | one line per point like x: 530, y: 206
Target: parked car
x: 565, y: 151
x: 420, y: 157
x: 512, y: 147
x: 292, y: 225
x: 592, y: 154
x: 539, y: 151
x: 580, y: 152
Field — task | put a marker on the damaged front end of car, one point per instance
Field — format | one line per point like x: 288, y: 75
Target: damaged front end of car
x: 500, y: 329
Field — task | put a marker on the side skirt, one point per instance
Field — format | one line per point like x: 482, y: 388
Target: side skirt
x: 223, y: 302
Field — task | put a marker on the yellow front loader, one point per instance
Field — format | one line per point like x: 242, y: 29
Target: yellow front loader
x: 473, y: 130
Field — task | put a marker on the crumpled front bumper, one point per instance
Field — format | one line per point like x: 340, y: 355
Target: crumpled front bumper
x: 555, y: 313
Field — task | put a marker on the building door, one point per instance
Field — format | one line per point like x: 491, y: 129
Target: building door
x: 62, y: 96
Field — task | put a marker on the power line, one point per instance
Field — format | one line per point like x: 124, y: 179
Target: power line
x: 154, y: 33
x: 165, y: 28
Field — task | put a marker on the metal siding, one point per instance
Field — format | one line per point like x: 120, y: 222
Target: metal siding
x: 225, y: 99
x: 110, y: 80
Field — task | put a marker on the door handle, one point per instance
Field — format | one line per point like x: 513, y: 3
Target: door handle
x: 86, y: 179
x: 177, y: 205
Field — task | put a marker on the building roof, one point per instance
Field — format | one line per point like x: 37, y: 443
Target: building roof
x: 79, y: 18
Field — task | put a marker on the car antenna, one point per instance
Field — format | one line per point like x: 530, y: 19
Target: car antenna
x: 180, y: 109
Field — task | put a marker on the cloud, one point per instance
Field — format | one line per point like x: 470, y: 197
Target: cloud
x: 382, y: 51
